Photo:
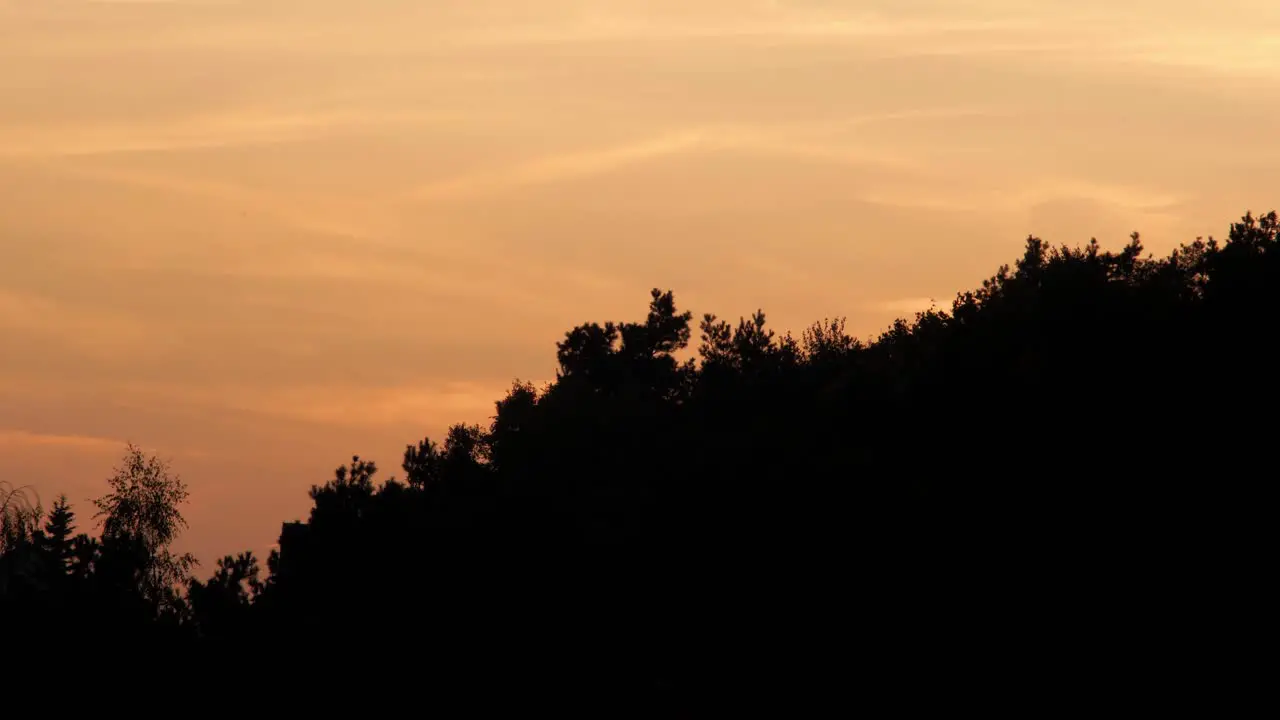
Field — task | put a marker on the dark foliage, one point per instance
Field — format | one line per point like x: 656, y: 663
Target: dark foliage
x: 1059, y: 481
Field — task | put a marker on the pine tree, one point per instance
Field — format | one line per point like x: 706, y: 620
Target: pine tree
x: 59, y: 534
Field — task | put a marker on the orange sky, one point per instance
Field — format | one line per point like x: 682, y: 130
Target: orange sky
x: 259, y: 236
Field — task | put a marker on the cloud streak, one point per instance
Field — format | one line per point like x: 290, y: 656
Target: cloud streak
x: 786, y: 141
x: 346, y: 406
x: 557, y: 168
x: 17, y: 439
x: 95, y: 332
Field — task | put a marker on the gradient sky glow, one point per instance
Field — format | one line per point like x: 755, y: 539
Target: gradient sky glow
x: 260, y: 236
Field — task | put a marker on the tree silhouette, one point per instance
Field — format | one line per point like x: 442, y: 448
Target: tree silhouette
x: 221, y: 607
x: 141, y: 518
x: 18, y: 516
x: 59, y: 534
x: 1062, y: 475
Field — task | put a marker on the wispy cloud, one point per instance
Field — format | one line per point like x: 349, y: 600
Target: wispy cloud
x: 905, y: 306
x: 951, y: 190
x: 424, y: 405
x: 573, y: 165
x: 13, y: 439
x: 557, y: 168
x: 278, y: 207
x: 93, y: 331
x: 776, y: 22
x: 243, y: 127
x: 1238, y: 55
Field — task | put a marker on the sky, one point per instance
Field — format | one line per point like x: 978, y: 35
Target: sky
x: 257, y: 237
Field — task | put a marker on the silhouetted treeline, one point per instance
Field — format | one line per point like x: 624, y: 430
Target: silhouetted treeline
x: 1065, y: 477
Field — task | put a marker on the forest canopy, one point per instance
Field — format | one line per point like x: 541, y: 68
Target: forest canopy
x: 1086, y: 431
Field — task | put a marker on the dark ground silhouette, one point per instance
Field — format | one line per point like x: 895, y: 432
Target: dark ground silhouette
x: 1058, y: 489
